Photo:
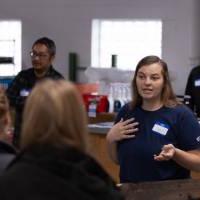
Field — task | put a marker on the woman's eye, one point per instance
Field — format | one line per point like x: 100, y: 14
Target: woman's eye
x: 155, y: 78
x: 141, y: 77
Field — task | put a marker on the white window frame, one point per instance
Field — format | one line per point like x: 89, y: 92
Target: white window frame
x: 97, y: 50
x: 10, y: 43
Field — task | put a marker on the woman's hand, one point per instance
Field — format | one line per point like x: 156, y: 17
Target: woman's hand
x: 122, y: 130
x: 167, y: 153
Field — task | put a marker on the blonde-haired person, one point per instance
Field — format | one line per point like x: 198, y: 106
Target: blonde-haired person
x: 55, y: 115
x: 7, y: 152
x: 155, y: 137
x: 54, y: 161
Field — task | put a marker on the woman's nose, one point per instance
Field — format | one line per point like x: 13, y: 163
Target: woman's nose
x: 147, y: 81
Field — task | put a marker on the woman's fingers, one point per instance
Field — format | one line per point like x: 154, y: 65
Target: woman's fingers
x: 130, y: 126
x: 128, y: 136
x: 123, y: 130
x: 167, y: 153
x: 160, y: 157
x: 128, y: 121
x: 129, y: 131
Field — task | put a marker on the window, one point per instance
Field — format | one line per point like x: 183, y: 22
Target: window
x: 10, y: 48
x: 130, y: 40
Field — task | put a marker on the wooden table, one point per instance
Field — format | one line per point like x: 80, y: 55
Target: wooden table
x: 163, y: 190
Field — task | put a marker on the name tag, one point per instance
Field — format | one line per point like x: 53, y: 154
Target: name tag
x: 24, y: 93
x: 197, y: 83
x: 160, y: 128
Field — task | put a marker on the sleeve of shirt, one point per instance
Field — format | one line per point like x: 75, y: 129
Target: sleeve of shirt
x: 54, y: 74
x: 189, y: 89
x: 13, y: 93
x: 189, y: 131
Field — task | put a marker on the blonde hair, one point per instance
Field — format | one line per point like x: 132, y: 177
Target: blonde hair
x: 55, y: 114
x: 4, y: 108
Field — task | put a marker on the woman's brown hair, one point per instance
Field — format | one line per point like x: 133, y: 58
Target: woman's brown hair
x: 167, y: 97
x: 55, y: 114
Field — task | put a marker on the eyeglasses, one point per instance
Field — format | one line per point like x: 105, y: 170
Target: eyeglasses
x: 39, y: 55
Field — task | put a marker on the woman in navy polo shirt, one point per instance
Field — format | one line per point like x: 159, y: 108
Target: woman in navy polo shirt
x: 154, y: 137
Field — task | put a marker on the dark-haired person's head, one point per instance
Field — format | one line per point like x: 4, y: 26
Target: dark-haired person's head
x: 42, y: 55
x: 49, y: 43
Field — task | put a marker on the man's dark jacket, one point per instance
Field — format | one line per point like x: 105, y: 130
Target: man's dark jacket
x: 22, y: 84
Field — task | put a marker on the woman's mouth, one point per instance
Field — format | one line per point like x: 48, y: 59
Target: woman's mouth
x: 147, y: 90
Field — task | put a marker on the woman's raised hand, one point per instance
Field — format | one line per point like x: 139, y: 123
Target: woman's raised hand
x: 168, y: 151
x: 123, y: 130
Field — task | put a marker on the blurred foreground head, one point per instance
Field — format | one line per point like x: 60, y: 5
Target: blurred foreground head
x: 55, y: 115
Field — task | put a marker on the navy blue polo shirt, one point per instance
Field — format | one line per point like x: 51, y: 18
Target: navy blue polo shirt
x: 177, y: 126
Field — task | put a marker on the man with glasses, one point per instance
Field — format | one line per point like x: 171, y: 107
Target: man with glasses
x: 42, y: 56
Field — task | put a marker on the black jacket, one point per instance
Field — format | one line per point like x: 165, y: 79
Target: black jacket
x: 50, y: 173
x: 7, y: 154
x: 193, y: 90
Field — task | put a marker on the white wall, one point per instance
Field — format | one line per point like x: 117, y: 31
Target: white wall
x: 68, y: 22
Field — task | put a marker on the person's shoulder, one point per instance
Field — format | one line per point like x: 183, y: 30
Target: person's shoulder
x: 7, y: 154
x: 25, y: 72
x: 6, y: 147
x: 98, y: 176
x: 56, y: 74
x: 181, y: 110
x: 126, y: 107
x: 178, y: 108
x: 195, y: 70
x: 56, y: 71
x: 123, y: 112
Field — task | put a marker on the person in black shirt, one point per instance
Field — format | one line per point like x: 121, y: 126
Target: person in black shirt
x: 42, y: 56
x: 192, y: 91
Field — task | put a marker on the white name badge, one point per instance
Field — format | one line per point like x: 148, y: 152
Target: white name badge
x: 160, y: 128
x: 24, y: 93
x: 197, y: 83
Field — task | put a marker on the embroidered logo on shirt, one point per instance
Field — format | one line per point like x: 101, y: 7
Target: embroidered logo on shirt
x: 197, y: 83
x: 160, y: 128
x: 198, y: 139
